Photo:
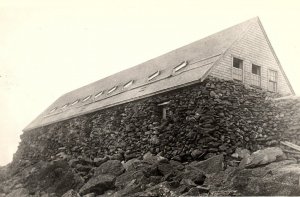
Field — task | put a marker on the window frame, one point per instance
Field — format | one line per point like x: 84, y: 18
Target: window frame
x: 234, y: 68
x: 256, y: 77
x: 270, y: 81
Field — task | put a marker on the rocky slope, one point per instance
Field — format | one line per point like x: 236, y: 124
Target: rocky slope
x: 264, y: 172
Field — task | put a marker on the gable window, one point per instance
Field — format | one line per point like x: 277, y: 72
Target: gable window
x: 153, y: 75
x: 181, y: 66
x: 237, y: 69
x: 272, y: 81
x: 111, y: 90
x: 129, y: 83
x: 86, y: 98
x: 256, y: 75
x: 98, y: 94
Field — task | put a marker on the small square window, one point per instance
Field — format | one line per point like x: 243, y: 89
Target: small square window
x: 255, y: 69
x: 237, y: 63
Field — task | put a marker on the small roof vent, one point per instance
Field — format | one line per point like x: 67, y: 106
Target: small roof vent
x: 53, y: 110
x: 153, y: 75
x: 180, y: 66
x: 129, y: 83
x: 75, y: 102
x: 66, y: 105
x: 98, y: 94
x: 111, y: 90
x: 86, y: 98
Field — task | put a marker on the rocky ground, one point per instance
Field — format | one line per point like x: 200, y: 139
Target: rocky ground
x: 264, y: 172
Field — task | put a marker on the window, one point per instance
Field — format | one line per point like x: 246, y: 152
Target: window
x: 128, y: 84
x: 164, y: 109
x: 181, y: 66
x: 256, y: 75
x: 237, y: 69
x: 153, y: 75
x: 111, y: 90
x: 98, y: 94
x: 86, y: 98
x: 75, y: 102
x: 272, y: 81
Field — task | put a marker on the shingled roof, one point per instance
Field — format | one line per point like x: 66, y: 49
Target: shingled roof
x: 181, y: 67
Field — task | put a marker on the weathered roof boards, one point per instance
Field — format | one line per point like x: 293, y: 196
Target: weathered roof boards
x: 187, y: 65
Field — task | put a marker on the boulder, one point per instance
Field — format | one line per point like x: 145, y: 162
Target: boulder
x: 71, y: 193
x: 150, y: 158
x: 98, y: 184
x: 262, y: 157
x: 161, y: 189
x: 89, y: 195
x: 98, y: 161
x: 125, y: 178
x: 275, y: 179
x: 21, y: 192
x: 113, y: 167
x: 212, y: 165
x: 196, y: 154
x: 52, y: 177
x: 164, y: 168
x: 196, y: 191
x: 131, y: 188
x: 128, y: 165
x: 194, y: 174
x: 241, y: 153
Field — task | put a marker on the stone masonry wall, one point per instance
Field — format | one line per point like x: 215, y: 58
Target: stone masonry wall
x: 205, y: 119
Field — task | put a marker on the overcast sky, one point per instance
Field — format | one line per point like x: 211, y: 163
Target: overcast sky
x: 48, y: 48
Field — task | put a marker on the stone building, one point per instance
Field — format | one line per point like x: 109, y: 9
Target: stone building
x: 207, y: 98
x: 242, y: 52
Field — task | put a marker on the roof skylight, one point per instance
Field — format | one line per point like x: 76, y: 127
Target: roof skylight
x: 129, y: 83
x: 53, y: 110
x: 86, y: 98
x: 153, y: 75
x: 98, y: 94
x: 66, y: 105
x: 181, y: 66
x: 111, y: 90
x: 75, y: 102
